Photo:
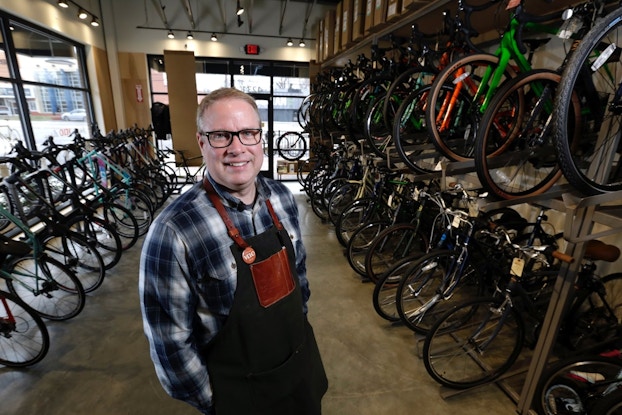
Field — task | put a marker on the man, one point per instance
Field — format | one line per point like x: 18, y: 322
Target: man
x: 223, y: 284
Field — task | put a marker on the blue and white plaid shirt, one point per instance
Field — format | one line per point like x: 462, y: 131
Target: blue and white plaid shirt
x: 188, y: 278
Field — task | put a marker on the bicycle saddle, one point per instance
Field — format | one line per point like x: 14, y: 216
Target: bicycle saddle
x: 597, y: 250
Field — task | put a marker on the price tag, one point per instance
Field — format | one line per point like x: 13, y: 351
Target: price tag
x: 517, y: 267
x: 456, y: 222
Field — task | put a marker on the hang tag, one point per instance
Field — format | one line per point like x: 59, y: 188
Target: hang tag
x: 517, y: 267
x: 249, y: 255
x: 456, y: 221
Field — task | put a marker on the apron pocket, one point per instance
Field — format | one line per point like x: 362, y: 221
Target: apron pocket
x: 272, y: 278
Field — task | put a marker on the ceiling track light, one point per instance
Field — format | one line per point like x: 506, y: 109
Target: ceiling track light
x: 290, y: 42
x: 82, y: 14
x: 214, y: 38
x: 170, y: 34
x: 95, y: 22
x: 302, y: 43
x: 239, y: 9
x: 189, y: 36
x: 63, y: 4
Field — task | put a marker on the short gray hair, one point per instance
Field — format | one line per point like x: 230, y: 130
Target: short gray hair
x: 220, y: 94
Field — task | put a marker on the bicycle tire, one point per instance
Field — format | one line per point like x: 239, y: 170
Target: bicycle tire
x: 355, y: 215
x: 73, y: 250
x: 124, y: 223
x: 392, y: 244
x: 420, y: 300
x: 592, y: 166
x: 24, y: 337
x: 100, y: 234
x: 515, y: 154
x: 456, y: 139
x: 340, y: 199
x: 412, y: 142
x: 359, y: 244
x: 60, y: 296
x: 560, y: 391
x: 451, y: 345
x: 291, y: 145
x: 589, y: 323
x: 385, y: 290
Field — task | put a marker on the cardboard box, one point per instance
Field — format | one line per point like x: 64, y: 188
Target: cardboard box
x: 346, y: 24
x: 370, y: 7
x: 380, y: 13
x: 337, y: 35
x: 358, y: 19
x: 320, y: 41
x: 394, y: 9
x: 329, y: 34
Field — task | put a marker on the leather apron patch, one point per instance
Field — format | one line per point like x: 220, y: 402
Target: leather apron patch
x: 272, y: 278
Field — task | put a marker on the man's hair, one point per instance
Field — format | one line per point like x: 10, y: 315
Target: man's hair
x: 220, y: 94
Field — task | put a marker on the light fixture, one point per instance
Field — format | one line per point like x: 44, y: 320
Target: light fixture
x: 170, y: 35
x: 240, y: 21
x: 63, y: 4
x: 189, y: 36
x: 290, y: 42
x: 302, y: 43
x: 82, y: 14
x: 240, y: 9
x: 214, y: 38
x: 95, y: 22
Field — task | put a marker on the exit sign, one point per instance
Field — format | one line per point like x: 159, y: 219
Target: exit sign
x: 251, y: 49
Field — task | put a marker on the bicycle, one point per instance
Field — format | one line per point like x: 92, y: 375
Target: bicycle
x: 583, y: 384
x: 292, y: 145
x: 592, y: 165
x: 478, y: 341
x: 24, y: 337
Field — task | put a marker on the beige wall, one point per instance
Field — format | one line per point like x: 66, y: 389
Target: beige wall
x: 135, y: 89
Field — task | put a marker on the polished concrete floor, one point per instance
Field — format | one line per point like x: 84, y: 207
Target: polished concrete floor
x: 99, y: 363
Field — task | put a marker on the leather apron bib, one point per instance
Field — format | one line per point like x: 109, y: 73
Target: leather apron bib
x: 265, y: 359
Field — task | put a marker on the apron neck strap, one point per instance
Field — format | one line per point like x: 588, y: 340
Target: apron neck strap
x: 232, y: 230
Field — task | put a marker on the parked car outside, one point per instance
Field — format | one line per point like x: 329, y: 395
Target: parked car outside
x: 74, y: 115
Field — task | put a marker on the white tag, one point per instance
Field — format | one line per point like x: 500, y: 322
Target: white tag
x: 517, y: 267
x: 456, y: 222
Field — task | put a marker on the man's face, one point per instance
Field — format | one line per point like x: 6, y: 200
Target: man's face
x: 236, y: 165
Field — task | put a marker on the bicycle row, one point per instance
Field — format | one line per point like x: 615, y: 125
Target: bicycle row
x: 473, y: 285
x: 67, y: 213
x: 521, y: 126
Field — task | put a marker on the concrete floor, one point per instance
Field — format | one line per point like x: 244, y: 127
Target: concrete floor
x: 99, y: 363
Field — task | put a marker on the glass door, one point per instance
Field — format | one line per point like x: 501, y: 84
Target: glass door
x: 264, y: 103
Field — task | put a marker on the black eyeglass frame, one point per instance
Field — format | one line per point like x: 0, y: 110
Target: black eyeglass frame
x: 256, y: 133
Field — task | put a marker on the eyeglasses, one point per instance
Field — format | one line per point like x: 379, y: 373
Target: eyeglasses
x: 220, y: 139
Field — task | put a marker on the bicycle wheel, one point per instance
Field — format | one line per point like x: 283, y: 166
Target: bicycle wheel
x: 401, y: 87
x: 359, y: 244
x: 47, y: 286
x: 393, y: 244
x: 124, y: 223
x: 515, y: 154
x: 431, y: 286
x: 593, y: 165
x: 454, y: 101
x: 101, y: 235
x: 340, y: 199
x: 24, y: 338
x: 385, y: 291
x: 139, y: 205
x: 291, y: 145
x: 574, y: 385
x: 473, y: 343
x: 374, y: 128
x: 77, y: 254
x: 355, y: 215
x: 410, y: 136
x: 596, y: 319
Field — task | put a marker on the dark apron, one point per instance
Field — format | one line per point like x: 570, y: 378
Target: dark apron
x: 265, y: 359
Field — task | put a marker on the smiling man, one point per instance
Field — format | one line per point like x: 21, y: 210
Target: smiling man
x: 223, y: 284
